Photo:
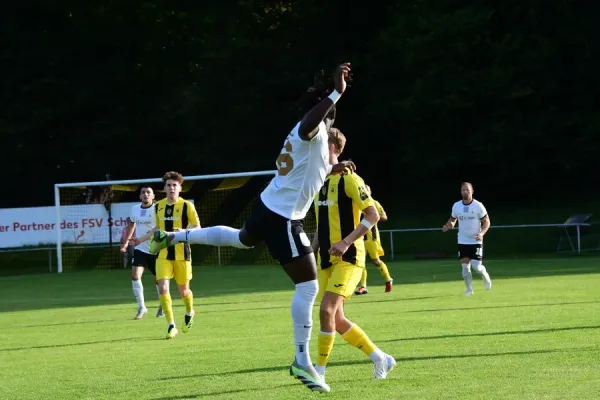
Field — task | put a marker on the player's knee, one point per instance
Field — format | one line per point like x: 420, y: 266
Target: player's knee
x: 376, y: 261
x: 184, y: 290
x: 476, y: 264
x: 465, y: 260
x: 163, y: 286
x: 246, y: 239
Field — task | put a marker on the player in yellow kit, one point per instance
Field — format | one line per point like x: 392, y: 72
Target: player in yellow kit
x: 172, y: 214
x: 375, y: 250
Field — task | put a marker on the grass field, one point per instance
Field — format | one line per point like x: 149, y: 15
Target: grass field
x: 536, y: 335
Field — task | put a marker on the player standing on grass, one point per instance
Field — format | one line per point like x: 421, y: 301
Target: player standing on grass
x: 340, y: 240
x: 473, y: 224
x: 375, y: 250
x: 173, y: 214
x: 141, y: 221
x: 277, y: 219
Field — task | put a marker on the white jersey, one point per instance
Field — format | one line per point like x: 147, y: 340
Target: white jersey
x: 144, y: 221
x: 469, y: 220
x: 302, y: 167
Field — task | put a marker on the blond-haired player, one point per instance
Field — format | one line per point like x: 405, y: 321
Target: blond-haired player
x: 340, y: 231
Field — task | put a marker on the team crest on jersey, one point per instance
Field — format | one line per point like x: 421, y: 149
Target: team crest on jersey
x: 324, y: 190
x: 362, y: 191
x: 169, y: 211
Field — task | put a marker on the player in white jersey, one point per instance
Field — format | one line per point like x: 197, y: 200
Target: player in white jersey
x: 141, y: 220
x: 473, y: 224
x: 277, y: 219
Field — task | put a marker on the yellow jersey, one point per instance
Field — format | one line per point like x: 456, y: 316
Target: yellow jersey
x: 170, y: 217
x: 373, y: 234
x: 338, y: 207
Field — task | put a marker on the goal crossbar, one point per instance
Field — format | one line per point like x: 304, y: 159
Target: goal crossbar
x: 59, y: 186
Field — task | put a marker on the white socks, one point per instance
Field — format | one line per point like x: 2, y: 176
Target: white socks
x: 214, y: 236
x: 479, y: 268
x: 467, y: 276
x: 302, y: 305
x: 138, y: 292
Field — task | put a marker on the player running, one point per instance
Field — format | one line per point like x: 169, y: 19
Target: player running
x: 141, y: 221
x: 474, y: 223
x: 375, y: 250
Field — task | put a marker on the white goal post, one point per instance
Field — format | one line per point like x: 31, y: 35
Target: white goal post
x: 62, y: 206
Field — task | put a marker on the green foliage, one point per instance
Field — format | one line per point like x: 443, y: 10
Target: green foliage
x: 86, y: 84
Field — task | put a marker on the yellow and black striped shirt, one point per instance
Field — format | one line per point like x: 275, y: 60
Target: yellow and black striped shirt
x: 170, y: 217
x: 373, y: 234
x: 338, y: 207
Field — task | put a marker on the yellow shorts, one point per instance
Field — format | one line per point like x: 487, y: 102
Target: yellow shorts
x: 374, y: 249
x: 167, y: 269
x: 341, y: 278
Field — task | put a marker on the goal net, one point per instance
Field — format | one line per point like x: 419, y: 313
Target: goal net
x: 93, y: 215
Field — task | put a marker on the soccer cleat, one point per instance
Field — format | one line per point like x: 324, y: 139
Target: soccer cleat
x: 160, y: 313
x: 160, y: 240
x: 172, y: 332
x: 188, y: 322
x: 487, y: 281
x: 383, y: 367
x: 388, y: 286
x: 469, y: 292
x: 141, y: 312
x: 309, y: 377
x: 361, y: 290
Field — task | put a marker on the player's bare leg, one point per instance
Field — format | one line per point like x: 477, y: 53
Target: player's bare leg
x: 188, y: 299
x: 138, y: 290
x: 303, y: 272
x: 467, y: 276
x: 167, y: 305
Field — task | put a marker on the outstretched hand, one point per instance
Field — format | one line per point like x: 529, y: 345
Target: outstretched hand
x: 340, y: 78
x: 340, y: 168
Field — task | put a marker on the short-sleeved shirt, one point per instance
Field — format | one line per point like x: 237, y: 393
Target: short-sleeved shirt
x: 338, y: 206
x: 469, y: 218
x: 170, y: 217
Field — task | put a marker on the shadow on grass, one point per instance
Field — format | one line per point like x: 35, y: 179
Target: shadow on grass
x: 496, y: 307
x: 57, y: 346
x: 399, y: 359
x: 523, y: 332
x: 112, y: 287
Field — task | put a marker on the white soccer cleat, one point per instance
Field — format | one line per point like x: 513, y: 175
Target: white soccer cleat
x: 487, y: 282
x: 383, y: 367
x: 309, y: 377
x: 141, y: 312
x: 469, y: 292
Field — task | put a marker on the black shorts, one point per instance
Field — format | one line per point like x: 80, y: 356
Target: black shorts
x: 284, y: 238
x: 141, y: 259
x: 471, y: 251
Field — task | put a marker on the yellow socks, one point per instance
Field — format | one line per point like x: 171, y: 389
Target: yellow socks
x: 326, y: 340
x: 167, y: 306
x: 189, y: 303
x: 383, y: 270
x: 363, y: 279
x: 359, y: 339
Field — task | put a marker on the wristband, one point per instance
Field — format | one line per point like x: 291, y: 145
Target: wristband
x: 368, y: 224
x: 335, y: 96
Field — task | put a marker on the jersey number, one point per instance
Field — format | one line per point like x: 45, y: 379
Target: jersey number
x: 285, y: 162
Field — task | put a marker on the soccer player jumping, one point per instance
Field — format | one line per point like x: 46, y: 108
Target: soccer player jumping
x: 277, y: 219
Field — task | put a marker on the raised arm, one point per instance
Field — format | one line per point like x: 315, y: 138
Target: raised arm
x: 309, y: 126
